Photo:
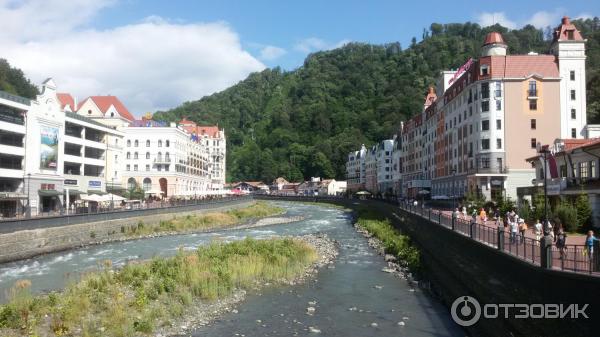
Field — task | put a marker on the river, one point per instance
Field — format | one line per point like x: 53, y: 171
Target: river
x: 353, y: 296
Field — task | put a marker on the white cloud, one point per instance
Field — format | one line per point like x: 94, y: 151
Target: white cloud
x: 486, y: 19
x: 270, y: 53
x: 312, y: 44
x: 543, y: 19
x: 153, y: 64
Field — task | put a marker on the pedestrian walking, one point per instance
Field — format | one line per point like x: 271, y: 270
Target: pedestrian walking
x: 483, y: 215
x: 464, y: 212
x: 537, y: 230
x: 561, y: 242
x: 514, y: 229
x: 522, y: 229
x: 589, y: 243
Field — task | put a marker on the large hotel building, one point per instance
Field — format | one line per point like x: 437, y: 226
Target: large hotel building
x: 480, y: 122
x: 53, y: 151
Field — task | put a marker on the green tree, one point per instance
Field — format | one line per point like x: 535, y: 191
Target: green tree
x: 566, y: 215
x: 584, y: 212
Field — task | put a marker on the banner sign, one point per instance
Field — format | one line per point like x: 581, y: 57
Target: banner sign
x: 49, y: 148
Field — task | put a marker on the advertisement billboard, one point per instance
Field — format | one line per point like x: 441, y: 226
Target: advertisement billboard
x: 49, y: 148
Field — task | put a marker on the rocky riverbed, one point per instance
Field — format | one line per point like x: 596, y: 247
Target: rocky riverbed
x: 202, y: 313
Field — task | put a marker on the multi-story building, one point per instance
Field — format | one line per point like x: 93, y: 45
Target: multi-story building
x: 483, y: 120
x: 397, y: 166
x: 384, y: 167
x: 165, y: 160
x: 213, y: 139
x: 371, y: 170
x: 13, y: 110
x: 355, y: 170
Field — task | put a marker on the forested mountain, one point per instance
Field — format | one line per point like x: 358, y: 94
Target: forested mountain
x: 304, y: 122
x: 12, y: 80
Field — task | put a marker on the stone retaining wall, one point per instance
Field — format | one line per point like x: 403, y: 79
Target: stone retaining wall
x: 28, y: 243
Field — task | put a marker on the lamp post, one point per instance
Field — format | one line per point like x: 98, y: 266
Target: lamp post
x: 453, y: 192
x: 28, y: 199
x: 544, y: 151
x: 112, y: 195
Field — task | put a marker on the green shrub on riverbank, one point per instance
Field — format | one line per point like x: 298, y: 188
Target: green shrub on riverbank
x: 393, y: 242
x: 144, y: 296
x: 207, y: 220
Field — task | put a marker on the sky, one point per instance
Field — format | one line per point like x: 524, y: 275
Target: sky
x: 155, y: 55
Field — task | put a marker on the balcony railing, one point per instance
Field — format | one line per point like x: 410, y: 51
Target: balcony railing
x: 160, y: 160
x: 15, y: 98
x: 488, y: 170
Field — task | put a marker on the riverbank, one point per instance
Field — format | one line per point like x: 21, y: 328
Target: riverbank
x: 153, y: 296
x: 30, y: 243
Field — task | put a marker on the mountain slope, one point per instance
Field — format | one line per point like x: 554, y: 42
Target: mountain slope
x: 304, y: 122
x: 13, y: 81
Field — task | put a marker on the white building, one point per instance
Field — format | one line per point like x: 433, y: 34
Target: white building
x: 397, y: 167
x: 355, y: 170
x: 165, y: 160
x: 332, y: 187
x: 384, y: 166
x: 13, y: 111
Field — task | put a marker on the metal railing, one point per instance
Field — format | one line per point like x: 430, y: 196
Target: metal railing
x: 570, y: 258
x: 83, y: 215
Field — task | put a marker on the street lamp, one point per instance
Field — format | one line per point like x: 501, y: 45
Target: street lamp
x: 544, y: 151
x: 28, y: 199
x: 112, y: 194
x: 453, y: 171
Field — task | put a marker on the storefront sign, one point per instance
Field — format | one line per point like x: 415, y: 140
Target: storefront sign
x: 95, y: 183
x: 49, y: 148
x: 496, y: 182
x: 71, y: 182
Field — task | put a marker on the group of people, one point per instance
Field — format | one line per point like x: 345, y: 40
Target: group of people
x: 517, y: 227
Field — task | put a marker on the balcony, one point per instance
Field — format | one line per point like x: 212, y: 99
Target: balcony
x: 15, y: 98
x: 488, y: 170
x: 161, y: 160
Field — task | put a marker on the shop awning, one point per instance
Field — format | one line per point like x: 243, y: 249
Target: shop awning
x: 96, y: 192
x: 12, y: 196
x: 76, y: 192
x: 49, y: 193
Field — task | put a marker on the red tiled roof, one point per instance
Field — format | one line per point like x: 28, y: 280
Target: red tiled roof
x: 561, y: 33
x: 211, y: 131
x: 104, y: 102
x: 66, y: 99
x: 493, y: 37
x: 517, y: 66
x: 575, y: 143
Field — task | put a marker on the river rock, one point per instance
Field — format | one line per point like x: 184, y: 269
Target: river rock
x: 389, y: 258
x: 374, y: 325
x: 310, y: 310
x: 388, y: 270
x: 401, y: 323
x: 313, y: 330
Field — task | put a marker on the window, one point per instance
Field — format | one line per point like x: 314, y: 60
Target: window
x: 168, y: 159
x: 532, y: 104
x: 485, y: 106
x: 136, y: 143
x: 570, y: 35
x: 147, y: 184
x: 128, y: 167
x: 533, y: 124
x: 498, y: 92
x: 166, y: 167
x: 159, y: 167
x: 532, y: 89
x: 485, y: 144
x: 498, y: 143
x: 470, y: 111
x: 128, y: 142
x: 573, y: 95
x: 484, y: 70
x: 572, y: 75
x: 485, y: 90
x: 470, y: 129
x: 485, y: 125
x: 563, y: 171
x: 533, y: 143
x: 593, y: 169
x: 135, y: 167
x: 160, y: 143
x: 135, y: 155
x: 128, y: 155
x: 573, y: 133
x: 147, y: 155
x: 167, y: 143
x: 583, y: 170
x: 148, y: 143
x: 131, y: 183
x: 116, y: 159
x: 498, y: 124
x: 147, y: 167
x: 498, y: 105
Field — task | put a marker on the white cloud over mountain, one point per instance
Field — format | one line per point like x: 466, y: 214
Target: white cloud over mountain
x: 540, y: 19
x: 153, y: 64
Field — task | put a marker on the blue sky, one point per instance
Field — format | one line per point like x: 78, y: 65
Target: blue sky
x: 154, y: 55
x: 287, y: 24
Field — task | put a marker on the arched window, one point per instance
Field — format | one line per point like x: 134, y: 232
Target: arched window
x: 167, y: 143
x: 159, y: 143
x: 159, y: 156
x: 147, y: 184
x: 167, y: 156
x: 128, y: 155
x: 148, y: 143
x: 128, y: 142
x: 136, y: 143
x: 131, y: 183
x: 147, y: 155
x: 135, y: 155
